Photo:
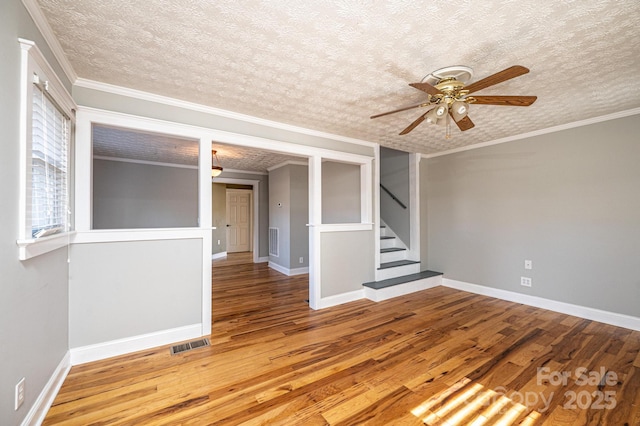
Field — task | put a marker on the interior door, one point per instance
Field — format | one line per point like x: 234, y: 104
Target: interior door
x: 239, y: 236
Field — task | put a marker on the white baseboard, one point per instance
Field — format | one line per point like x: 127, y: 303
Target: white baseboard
x: 613, y: 318
x: 339, y: 299
x: 262, y: 259
x: 402, y: 289
x: 220, y: 255
x: 112, y: 348
x: 287, y: 271
x: 39, y: 409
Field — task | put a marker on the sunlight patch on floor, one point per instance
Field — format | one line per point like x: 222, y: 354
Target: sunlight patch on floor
x: 473, y: 404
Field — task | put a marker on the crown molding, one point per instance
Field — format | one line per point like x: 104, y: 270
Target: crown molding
x: 45, y: 29
x: 566, y: 126
x: 165, y: 100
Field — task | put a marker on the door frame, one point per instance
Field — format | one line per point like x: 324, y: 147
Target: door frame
x: 255, y: 212
x: 251, y: 224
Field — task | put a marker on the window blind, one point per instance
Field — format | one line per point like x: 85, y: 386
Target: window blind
x: 50, y: 142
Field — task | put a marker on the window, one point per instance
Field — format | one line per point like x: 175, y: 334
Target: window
x: 49, y: 152
x: 45, y: 137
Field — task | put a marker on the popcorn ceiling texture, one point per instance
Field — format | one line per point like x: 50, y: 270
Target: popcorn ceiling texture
x: 329, y: 65
x: 159, y: 148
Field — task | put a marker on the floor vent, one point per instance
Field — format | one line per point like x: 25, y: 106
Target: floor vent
x: 183, y: 347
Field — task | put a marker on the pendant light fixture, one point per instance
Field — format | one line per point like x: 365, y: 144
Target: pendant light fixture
x: 216, y: 168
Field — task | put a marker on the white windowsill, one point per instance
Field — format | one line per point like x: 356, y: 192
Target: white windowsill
x: 138, y: 234
x: 36, y: 246
x: 342, y: 227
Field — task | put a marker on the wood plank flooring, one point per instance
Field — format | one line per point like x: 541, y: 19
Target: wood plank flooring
x: 437, y: 357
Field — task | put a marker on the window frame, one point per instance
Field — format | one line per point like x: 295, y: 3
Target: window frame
x: 33, y: 63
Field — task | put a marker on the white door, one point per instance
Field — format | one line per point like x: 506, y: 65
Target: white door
x: 238, y: 220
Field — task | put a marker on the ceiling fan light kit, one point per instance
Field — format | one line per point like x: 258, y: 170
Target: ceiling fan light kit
x: 448, y: 93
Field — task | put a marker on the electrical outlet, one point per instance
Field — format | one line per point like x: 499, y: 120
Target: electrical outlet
x: 301, y: 260
x: 525, y: 281
x: 218, y: 242
x: 528, y: 264
x: 19, y: 393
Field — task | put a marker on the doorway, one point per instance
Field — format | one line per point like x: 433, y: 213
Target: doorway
x: 239, y: 231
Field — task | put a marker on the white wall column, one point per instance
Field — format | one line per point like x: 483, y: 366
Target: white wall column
x: 315, y: 220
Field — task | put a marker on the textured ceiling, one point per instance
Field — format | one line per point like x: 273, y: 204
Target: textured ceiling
x: 142, y: 146
x: 329, y: 65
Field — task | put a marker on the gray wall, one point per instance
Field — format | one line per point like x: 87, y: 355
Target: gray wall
x: 299, y: 217
x: 132, y: 195
x: 280, y: 214
x: 394, y: 175
x: 569, y: 201
x: 340, y: 192
x: 347, y: 261
x: 34, y: 302
x: 219, y: 217
x: 289, y: 212
x: 125, y: 289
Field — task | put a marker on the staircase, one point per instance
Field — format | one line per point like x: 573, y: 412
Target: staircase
x: 397, y: 274
x: 394, y: 261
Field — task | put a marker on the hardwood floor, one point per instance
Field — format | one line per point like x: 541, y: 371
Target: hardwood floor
x: 440, y: 356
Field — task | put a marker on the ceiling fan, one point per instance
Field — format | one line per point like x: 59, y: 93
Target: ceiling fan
x: 448, y: 95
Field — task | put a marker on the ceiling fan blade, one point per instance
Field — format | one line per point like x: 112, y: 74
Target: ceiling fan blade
x: 413, y: 125
x: 499, y: 77
x: 401, y: 109
x: 505, y: 100
x: 426, y: 87
x: 464, y: 123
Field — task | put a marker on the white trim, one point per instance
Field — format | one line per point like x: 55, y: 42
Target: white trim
x: 36, y: 246
x: 220, y: 255
x: 142, y: 234
x: 287, y: 163
x: 245, y: 172
x: 138, y: 94
x: 414, y: 208
x: 402, y: 289
x: 613, y: 318
x: 366, y: 190
x: 33, y: 61
x: 151, y: 163
x: 339, y: 299
x: 263, y: 259
x: 376, y: 209
x: 41, y: 406
x: 127, y: 345
x: 566, y: 126
x: 205, y: 224
x: 342, y: 227
x: 315, y: 218
x: 287, y: 271
x: 45, y: 29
